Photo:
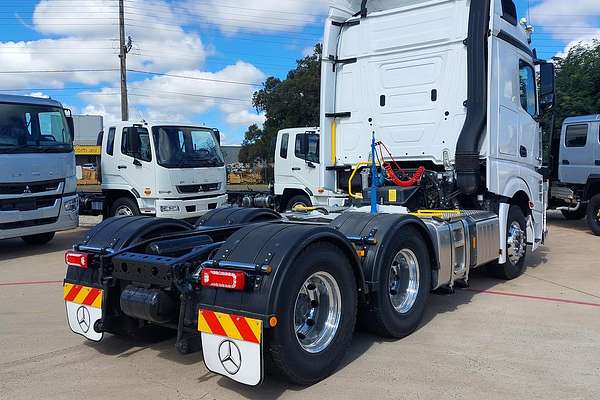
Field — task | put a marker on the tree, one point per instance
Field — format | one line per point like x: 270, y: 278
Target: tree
x: 288, y: 103
x: 578, y: 82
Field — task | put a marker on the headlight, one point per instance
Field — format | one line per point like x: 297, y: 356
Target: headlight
x: 72, y: 205
x: 169, y: 208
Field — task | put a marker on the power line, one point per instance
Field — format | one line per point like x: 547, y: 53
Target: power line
x: 194, y: 78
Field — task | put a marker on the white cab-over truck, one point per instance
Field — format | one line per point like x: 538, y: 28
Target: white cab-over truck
x: 37, y: 169
x: 432, y: 106
x: 159, y: 169
x: 575, y: 189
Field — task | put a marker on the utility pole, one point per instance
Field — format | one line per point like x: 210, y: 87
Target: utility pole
x: 124, y: 48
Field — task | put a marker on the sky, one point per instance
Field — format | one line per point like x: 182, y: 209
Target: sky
x: 195, y: 61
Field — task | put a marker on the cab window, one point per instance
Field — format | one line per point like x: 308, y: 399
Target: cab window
x: 110, y: 141
x: 136, y: 143
x: 576, y: 135
x: 284, y: 145
x: 307, y: 147
x: 527, y: 88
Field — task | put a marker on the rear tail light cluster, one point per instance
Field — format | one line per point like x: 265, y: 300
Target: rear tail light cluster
x: 76, y: 259
x: 219, y: 278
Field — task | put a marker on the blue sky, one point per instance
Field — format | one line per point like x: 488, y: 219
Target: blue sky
x: 214, y: 52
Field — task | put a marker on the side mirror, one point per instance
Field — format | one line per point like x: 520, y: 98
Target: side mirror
x: 217, y: 135
x: 70, y: 122
x: 547, y: 86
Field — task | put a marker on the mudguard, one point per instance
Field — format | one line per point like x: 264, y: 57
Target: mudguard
x: 120, y: 232
x: 237, y: 215
x: 384, y: 228
x: 276, y: 245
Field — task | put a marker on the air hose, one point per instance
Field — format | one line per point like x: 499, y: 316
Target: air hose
x: 412, y: 181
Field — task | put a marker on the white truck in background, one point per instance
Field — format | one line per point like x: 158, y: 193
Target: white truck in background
x: 159, y: 169
x: 37, y: 169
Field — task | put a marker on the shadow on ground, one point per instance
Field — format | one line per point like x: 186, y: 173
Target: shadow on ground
x: 164, y: 342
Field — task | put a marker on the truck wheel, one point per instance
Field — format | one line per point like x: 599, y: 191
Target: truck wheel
x: 403, y: 289
x: 298, y: 200
x: 39, y: 239
x: 309, y: 342
x: 516, y: 246
x: 575, y: 215
x: 593, y: 214
x: 124, y: 206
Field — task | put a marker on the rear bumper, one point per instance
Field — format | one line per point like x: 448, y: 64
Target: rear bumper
x: 181, y: 209
x: 42, y: 220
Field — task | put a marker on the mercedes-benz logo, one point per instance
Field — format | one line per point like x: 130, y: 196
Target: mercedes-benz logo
x: 83, y: 319
x: 230, y: 356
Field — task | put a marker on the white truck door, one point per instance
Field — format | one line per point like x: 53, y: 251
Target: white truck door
x: 303, y: 153
x: 109, y: 159
x: 576, y: 152
x: 136, y: 164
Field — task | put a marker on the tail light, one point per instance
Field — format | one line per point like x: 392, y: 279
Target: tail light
x: 220, y: 278
x: 76, y: 259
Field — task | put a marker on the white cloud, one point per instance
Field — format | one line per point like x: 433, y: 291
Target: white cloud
x: 86, y: 38
x: 570, y: 22
x: 177, y: 99
x: 259, y: 15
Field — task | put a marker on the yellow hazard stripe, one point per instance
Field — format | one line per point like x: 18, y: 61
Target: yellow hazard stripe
x: 232, y: 326
x: 85, y: 295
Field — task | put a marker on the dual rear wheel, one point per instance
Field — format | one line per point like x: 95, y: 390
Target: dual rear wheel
x: 311, y: 340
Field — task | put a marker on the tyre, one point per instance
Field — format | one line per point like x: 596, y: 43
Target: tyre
x: 124, y: 206
x: 311, y: 340
x: 298, y: 200
x: 38, y: 239
x: 575, y: 215
x: 403, y: 288
x: 593, y: 214
x: 516, y: 247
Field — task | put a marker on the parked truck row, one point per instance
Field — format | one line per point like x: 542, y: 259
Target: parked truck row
x: 430, y: 148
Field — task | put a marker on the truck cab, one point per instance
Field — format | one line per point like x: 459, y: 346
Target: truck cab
x: 37, y: 169
x: 298, y: 170
x: 576, y: 192
x: 161, y: 169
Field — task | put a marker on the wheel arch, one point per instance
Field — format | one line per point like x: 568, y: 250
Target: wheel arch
x: 518, y: 193
x: 288, y: 193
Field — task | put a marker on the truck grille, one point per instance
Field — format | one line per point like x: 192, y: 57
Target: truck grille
x: 30, y: 187
x: 206, y: 187
x: 27, y: 224
x: 28, y: 203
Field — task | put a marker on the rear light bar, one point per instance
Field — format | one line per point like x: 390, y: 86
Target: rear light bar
x: 219, y: 278
x: 76, y: 259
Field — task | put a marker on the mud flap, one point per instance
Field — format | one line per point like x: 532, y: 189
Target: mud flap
x: 84, y: 309
x: 232, y: 346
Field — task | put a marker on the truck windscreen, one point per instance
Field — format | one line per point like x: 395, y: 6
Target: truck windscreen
x: 186, y: 147
x: 26, y: 128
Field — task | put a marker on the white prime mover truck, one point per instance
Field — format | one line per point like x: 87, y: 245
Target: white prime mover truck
x: 434, y: 104
x: 37, y: 169
x: 159, y: 169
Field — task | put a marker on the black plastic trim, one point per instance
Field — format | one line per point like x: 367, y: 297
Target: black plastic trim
x: 467, y: 149
x: 508, y: 38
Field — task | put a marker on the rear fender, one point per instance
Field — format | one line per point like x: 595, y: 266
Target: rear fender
x: 277, y: 245
x: 384, y: 228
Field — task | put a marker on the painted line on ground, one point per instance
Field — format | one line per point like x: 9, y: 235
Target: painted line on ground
x: 540, y: 298
x: 29, y: 283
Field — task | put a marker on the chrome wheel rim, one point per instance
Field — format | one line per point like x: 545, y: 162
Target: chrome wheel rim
x: 317, y: 312
x: 515, y: 243
x: 124, y: 211
x: 404, y: 281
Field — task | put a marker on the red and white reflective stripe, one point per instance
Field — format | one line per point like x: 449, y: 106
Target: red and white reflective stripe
x: 220, y: 278
x: 76, y: 259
